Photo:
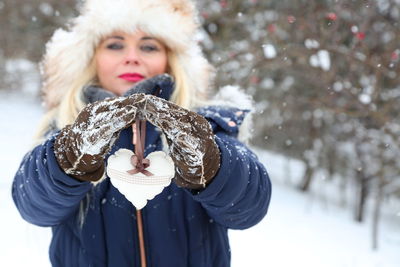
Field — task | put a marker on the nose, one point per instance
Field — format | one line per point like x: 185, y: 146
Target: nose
x: 132, y: 57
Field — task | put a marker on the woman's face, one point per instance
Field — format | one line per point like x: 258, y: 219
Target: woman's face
x: 124, y: 59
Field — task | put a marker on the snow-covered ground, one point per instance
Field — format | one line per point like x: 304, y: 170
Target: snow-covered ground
x: 299, y: 230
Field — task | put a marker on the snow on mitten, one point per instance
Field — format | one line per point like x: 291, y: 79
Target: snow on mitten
x: 192, y: 146
x: 80, y: 148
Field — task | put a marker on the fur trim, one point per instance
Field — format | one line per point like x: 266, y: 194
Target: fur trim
x: 233, y: 96
x: 69, y: 52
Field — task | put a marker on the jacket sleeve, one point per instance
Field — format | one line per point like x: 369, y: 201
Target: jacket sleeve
x: 239, y: 195
x: 42, y: 192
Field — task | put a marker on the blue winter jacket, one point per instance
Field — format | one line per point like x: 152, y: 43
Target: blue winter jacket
x: 96, y: 225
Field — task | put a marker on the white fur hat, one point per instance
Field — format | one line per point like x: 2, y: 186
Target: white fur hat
x: 69, y: 52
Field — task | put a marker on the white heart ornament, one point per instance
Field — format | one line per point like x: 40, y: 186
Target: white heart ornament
x: 139, y: 188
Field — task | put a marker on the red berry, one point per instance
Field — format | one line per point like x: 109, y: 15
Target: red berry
x: 395, y: 56
x: 205, y: 15
x: 271, y: 28
x: 331, y: 16
x: 291, y: 19
x: 254, y: 79
x: 360, y: 36
x: 223, y: 3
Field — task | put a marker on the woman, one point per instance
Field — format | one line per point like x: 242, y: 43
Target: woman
x: 103, y: 73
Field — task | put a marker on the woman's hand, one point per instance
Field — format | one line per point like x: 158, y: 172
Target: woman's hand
x: 190, y: 137
x: 80, y: 148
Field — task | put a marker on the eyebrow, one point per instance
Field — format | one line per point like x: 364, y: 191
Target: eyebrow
x: 147, y: 38
x: 115, y: 37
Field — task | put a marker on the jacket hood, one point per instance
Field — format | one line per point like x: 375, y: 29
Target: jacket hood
x: 70, y: 51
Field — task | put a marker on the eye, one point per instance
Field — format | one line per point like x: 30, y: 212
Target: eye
x: 149, y: 48
x: 115, y: 46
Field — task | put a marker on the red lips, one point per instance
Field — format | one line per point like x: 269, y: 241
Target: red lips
x: 131, y: 77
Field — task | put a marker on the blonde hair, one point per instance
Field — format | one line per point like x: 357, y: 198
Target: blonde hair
x: 72, y: 103
x: 185, y: 95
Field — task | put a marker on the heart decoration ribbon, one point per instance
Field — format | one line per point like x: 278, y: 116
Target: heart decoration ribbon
x: 138, y: 161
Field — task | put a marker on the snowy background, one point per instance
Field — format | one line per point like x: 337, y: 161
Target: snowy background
x: 299, y: 230
x: 325, y: 78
